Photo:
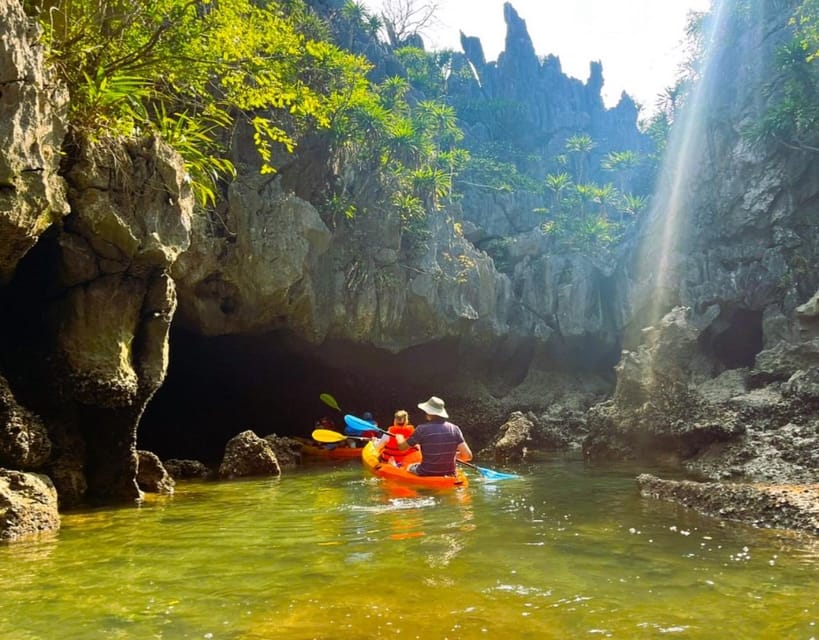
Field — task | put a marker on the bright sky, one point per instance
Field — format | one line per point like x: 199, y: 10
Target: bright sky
x: 638, y: 41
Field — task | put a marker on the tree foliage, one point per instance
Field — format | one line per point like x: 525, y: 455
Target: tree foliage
x: 583, y: 215
x: 190, y: 70
x: 792, y: 117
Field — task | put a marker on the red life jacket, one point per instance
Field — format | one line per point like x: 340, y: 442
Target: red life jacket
x: 391, y: 448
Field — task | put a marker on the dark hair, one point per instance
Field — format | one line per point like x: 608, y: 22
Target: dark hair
x: 367, y: 415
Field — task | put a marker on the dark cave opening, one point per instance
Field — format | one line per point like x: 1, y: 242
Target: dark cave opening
x: 269, y: 383
x: 25, y: 342
x: 219, y: 386
x: 734, y: 338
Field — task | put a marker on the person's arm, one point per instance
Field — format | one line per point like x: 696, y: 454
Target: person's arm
x: 463, y: 452
x: 402, y: 442
x: 381, y: 442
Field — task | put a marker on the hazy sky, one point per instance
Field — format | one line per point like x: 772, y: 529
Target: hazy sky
x: 638, y: 41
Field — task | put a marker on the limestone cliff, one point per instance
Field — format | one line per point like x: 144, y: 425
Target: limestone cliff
x: 732, y: 237
x: 89, y: 232
x: 32, y: 111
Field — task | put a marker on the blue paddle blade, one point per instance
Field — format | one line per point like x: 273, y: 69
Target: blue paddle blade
x: 357, y: 425
x: 491, y: 474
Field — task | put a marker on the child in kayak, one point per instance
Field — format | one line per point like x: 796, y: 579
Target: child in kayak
x: 387, y: 444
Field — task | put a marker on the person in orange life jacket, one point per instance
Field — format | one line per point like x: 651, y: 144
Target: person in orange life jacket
x: 441, y: 441
x: 368, y: 417
x: 387, y: 445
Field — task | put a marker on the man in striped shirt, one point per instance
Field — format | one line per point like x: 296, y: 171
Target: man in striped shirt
x: 440, y: 441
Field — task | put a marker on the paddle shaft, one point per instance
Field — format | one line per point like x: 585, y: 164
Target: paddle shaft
x: 468, y: 464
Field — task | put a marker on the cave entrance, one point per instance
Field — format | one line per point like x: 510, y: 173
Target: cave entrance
x: 219, y: 386
x: 734, y: 338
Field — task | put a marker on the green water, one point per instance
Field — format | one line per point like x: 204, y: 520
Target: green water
x: 568, y: 551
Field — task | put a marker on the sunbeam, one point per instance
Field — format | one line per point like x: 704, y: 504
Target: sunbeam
x: 671, y: 215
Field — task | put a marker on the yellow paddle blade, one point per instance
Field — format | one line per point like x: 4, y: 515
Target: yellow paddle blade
x: 330, y: 401
x: 325, y: 435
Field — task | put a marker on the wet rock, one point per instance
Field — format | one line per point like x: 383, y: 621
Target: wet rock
x: 511, y: 442
x: 152, y: 475
x: 186, y: 469
x: 761, y: 505
x: 24, y: 442
x: 287, y: 450
x: 28, y: 505
x: 246, y: 454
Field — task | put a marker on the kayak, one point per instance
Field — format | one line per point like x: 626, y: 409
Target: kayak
x: 388, y: 471
x: 312, y: 449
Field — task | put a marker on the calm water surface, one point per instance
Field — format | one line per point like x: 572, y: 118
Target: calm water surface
x: 568, y: 551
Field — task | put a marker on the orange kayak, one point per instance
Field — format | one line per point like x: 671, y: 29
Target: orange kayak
x: 400, y: 474
x: 312, y: 449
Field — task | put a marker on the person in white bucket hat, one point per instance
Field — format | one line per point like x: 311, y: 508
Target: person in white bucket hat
x: 441, y: 441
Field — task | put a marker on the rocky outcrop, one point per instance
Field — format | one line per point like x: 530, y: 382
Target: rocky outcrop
x: 32, y: 113
x: 270, y: 262
x: 744, y: 423
x: 247, y: 455
x: 731, y: 236
x: 186, y: 469
x: 766, y: 506
x: 571, y: 301
x: 524, y: 436
x: 536, y: 106
x: 131, y: 208
x: 28, y: 505
x: 90, y: 307
x: 512, y: 439
x: 152, y: 475
x: 656, y: 408
x: 252, y: 266
x: 287, y: 450
x: 731, y: 232
x: 274, y: 258
x: 24, y: 441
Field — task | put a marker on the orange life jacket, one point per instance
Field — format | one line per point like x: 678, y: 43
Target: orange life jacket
x: 391, y: 448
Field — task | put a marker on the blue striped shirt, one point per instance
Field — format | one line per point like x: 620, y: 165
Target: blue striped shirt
x: 439, y: 443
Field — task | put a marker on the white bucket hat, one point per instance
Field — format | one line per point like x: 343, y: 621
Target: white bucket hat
x: 434, y: 407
